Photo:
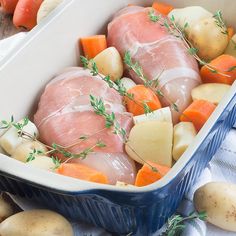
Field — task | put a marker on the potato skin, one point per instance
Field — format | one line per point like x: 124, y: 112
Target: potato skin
x: 208, y: 38
x: 36, y: 223
x: 218, y: 200
x: 6, y: 209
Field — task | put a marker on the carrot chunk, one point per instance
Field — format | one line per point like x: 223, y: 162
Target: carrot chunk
x: 83, y: 172
x: 163, y: 8
x: 93, y: 45
x: 230, y: 32
x: 148, y: 176
x: 225, y: 73
x: 141, y: 96
x: 198, y: 113
x: 8, y: 6
x: 25, y: 14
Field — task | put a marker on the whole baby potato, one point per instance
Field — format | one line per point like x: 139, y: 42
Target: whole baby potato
x: 36, y: 223
x: 6, y: 209
x: 218, y: 200
x: 22, y: 152
x: 189, y: 15
x: 208, y: 38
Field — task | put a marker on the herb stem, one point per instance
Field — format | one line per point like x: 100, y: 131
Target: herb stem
x: 177, y: 32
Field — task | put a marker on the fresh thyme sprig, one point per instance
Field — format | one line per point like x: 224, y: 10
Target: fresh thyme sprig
x: 153, y: 17
x: 91, y: 65
x: 81, y: 155
x: 56, y: 162
x: 110, y: 119
x: 4, y: 124
x: 54, y: 148
x: 175, y: 224
x: 32, y: 155
x: 231, y: 68
x: 174, y: 29
x: 111, y: 122
x: 152, y: 84
x: 220, y: 22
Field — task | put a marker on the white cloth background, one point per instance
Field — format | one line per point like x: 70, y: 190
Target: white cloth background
x: 221, y: 168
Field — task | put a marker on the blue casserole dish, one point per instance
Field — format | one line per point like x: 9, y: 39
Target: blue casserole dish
x: 23, y: 74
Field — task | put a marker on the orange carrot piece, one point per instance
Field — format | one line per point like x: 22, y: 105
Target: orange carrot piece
x: 226, y: 67
x: 93, y: 45
x: 198, y: 113
x: 163, y: 8
x: 141, y: 95
x: 147, y: 176
x: 25, y: 14
x: 230, y: 32
x: 8, y: 6
x: 82, y: 172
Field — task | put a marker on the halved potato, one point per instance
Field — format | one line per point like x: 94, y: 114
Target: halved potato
x: 22, y: 152
x: 212, y: 92
x: 109, y: 62
x: 42, y: 162
x: 151, y: 141
x: 184, y: 134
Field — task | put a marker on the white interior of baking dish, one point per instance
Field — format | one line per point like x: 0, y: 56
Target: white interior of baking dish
x: 52, y: 46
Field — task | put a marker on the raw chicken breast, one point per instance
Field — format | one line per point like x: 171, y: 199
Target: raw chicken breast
x: 65, y: 114
x: 158, y: 53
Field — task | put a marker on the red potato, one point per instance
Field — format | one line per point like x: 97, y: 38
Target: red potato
x: 25, y: 14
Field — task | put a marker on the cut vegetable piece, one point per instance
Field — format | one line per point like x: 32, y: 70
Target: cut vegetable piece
x: 8, y: 6
x: 198, y: 113
x: 184, y: 134
x: 162, y: 114
x: 152, y: 141
x: 231, y: 48
x: 10, y: 140
x: 42, y: 162
x: 230, y: 32
x: 46, y: 8
x: 25, y: 14
x: 24, y: 150
x: 127, y: 83
x: 93, y: 45
x: 146, y: 175
x: 225, y: 66
x: 109, y: 62
x: 163, y: 8
x: 211, y: 92
x: 82, y: 172
x: 142, y: 96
